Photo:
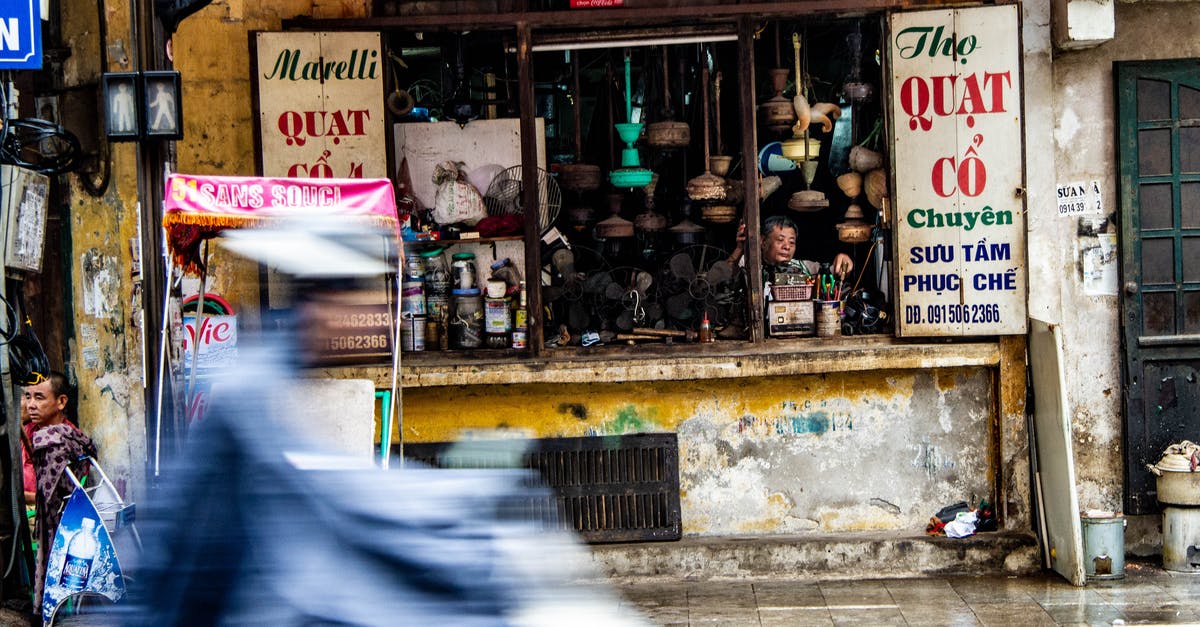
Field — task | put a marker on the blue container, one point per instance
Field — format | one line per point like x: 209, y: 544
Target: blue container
x: 1104, y: 546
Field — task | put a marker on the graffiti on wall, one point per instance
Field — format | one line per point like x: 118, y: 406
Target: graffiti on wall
x: 809, y: 417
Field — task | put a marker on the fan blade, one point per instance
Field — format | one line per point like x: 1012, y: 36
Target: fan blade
x: 720, y: 272
x: 654, y: 311
x: 679, y: 306
x: 625, y: 320
x: 596, y: 283
x: 642, y: 281
x: 614, y: 291
x: 681, y: 266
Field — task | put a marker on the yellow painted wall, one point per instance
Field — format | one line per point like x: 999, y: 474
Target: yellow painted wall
x: 550, y: 410
x: 106, y: 349
x: 842, y: 452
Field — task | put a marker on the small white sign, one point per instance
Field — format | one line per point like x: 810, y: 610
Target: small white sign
x: 1077, y: 198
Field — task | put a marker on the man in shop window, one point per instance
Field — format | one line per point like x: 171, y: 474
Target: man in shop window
x: 778, y: 248
x: 56, y: 444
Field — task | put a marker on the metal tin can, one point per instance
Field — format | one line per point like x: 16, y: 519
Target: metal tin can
x: 412, y: 332
x: 412, y: 298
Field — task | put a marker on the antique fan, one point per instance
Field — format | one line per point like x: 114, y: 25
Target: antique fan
x: 697, y: 280
x: 506, y: 195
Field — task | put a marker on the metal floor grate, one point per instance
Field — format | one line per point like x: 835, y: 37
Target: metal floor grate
x: 608, y: 488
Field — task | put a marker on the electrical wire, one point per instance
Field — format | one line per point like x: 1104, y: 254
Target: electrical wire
x: 41, y: 146
x: 27, y: 360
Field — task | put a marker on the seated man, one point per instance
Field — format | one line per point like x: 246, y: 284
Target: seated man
x: 778, y: 247
x: 56, y: 444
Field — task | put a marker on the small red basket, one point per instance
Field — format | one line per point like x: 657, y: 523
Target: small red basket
x: 792, y: 292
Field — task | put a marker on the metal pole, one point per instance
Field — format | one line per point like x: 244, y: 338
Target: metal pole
x: 396, y: 412
x: 196, y: 323
x: 162, y: 365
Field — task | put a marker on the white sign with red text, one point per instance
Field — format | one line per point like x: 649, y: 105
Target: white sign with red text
x: 320, y: 105
x: 958, y: 161
x: 217, y: 337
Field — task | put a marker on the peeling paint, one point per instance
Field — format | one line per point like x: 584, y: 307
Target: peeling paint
x: 836, y: 452
x: 100, y: 284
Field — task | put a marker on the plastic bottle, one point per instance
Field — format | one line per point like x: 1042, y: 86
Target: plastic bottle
x: 706, y: 330
x: 520, y: 332
x: 81, y: 552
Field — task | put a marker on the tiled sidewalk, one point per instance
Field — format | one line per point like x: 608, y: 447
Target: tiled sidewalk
x: 1147, y: 595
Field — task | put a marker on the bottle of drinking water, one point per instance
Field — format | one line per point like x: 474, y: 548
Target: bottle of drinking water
x: 81, y: 551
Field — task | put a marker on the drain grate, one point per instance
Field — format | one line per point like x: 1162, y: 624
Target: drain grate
x: 609, y: 489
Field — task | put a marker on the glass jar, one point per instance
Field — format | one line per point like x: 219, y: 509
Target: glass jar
x: 437, y: 272
x: 466, y: 324
x: 414, y: 268
x: 462, y: 271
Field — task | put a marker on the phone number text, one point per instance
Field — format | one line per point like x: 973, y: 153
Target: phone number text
x: 984, y: 313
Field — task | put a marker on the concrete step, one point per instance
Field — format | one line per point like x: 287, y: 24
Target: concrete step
x: 867, y: 555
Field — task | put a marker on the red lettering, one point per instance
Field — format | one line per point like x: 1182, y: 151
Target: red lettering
x: 914, y: 100
x: 972, y: 176
x: 221, y: 332
x: 941, y: 177
x: 943, y: 94
x: 991, y: 82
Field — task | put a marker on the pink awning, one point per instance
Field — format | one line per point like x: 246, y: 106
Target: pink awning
x: 200, y: 207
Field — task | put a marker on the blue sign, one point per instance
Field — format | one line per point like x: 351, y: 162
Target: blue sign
x: 20, y: 35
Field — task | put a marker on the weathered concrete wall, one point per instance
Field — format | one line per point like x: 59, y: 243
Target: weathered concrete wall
x: 878, y: 450
x: 832, y: 453
x: 106, y: 347
x: 1083, y: 149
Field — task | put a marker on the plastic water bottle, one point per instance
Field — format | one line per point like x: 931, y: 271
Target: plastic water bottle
x: 81, y: 551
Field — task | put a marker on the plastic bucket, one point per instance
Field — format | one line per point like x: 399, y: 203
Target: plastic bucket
x: 1104, y: 546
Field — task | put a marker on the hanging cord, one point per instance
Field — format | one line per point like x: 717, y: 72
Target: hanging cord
x: 27, y: 360
x: 866, y: 261
x: 11, y: 329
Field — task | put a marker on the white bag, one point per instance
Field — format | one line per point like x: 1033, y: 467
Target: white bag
x: 455, y: 200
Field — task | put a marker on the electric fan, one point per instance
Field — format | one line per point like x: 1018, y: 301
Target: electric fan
x: 506, y: 196
x: 697, y: 280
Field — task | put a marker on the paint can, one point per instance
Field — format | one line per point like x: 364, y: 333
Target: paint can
x: 412, y: 332
x: 829, y: 322
x: 1103, y: 545
x: 412, y: 298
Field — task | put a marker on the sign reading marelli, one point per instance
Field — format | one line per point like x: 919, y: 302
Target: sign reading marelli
x: 320, y: 105
x: 958, y: 160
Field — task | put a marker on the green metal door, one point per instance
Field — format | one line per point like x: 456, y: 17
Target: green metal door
x: 1158, y: 148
